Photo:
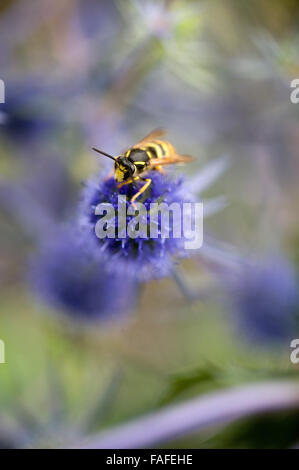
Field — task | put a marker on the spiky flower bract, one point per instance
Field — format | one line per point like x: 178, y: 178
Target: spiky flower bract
x: 65, y: 275
x: 144, y: 257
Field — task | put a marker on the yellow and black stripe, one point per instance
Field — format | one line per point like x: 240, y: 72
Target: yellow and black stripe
x: 145, y: 154
x: 148, y: 154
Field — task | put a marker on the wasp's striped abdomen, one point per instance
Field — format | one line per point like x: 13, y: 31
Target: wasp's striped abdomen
x: 160, y: 149
x: 153, y: 149
x: 143, y: 156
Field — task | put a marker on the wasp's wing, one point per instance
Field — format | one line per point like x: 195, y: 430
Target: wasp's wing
x: 171, y: 160
x: 151, y: 136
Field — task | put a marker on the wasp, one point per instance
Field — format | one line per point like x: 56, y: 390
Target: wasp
x: 148, y: 154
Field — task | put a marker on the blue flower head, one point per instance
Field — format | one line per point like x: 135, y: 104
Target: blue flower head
x: 23, y: 117
x: 144, y: 257
x: 65, y: 276
x: 266, y: 298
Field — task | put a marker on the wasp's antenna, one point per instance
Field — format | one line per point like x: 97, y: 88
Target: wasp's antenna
x: 104, y: 153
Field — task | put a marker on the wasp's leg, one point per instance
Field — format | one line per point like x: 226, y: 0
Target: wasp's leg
x: 128, y: 181
x: 144, y: 188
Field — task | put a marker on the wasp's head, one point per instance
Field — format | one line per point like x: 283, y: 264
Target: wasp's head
x: 124, y: 169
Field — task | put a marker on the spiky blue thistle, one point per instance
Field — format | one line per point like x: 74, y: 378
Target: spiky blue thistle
x: 22, y: 117
x: 144, y: 257
x: 266, y: 299
x: 65, y: 276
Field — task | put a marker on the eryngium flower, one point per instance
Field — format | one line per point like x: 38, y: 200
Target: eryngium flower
x: 266, y: 298
x: 65, y: 275
x: 144, y: 257
x: 23, y: 116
